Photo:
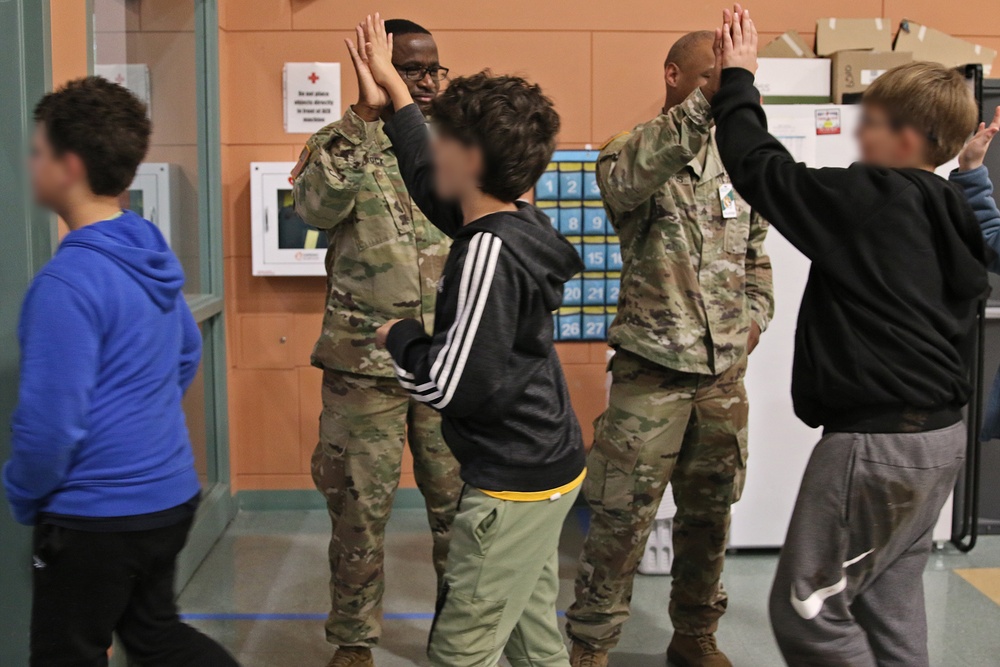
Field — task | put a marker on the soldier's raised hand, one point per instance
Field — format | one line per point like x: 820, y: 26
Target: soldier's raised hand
x: 372, y: 98
x: 739, y: 39
x: 377, y: 55
x: 974, y: 153
x: 711, y: 86
x: 378, y: 51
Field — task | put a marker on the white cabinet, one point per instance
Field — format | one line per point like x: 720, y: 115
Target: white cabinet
x: 154, y: 195
x: 283, y: 245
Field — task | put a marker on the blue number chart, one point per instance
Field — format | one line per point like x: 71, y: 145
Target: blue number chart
x: 569, y: 194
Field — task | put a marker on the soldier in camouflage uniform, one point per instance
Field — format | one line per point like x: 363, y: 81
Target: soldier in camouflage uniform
x: 695, y: 295
x: 383, y: 262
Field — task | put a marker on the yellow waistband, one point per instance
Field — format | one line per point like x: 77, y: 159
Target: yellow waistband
x: 534, y: 496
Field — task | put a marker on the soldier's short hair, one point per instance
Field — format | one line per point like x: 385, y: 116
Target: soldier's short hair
x: 680, y: 52
x: 933, y: 99
x: 404, y: 27
x: 509, y: 119
x: 102, y: 123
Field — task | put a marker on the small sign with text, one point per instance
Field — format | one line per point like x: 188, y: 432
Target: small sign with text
x: 312, y: 96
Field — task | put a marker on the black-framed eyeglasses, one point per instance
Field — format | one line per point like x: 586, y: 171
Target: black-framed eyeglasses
x: 437, y: 73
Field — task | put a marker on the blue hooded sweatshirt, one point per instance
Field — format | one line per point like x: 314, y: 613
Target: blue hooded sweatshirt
x: 108, y: 347
x: 978, y: 190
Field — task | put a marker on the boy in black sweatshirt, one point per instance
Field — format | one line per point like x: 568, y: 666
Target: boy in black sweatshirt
x: 881, y: 354
x: 490, y: 368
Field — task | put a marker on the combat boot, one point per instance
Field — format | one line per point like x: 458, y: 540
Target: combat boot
x: 691, y: 651
x: 352, y: 656
x: 581, y: 656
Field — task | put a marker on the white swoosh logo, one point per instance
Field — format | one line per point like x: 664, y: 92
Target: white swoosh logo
x: 812, y: 605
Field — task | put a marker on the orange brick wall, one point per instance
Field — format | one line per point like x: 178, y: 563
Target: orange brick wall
x: 600, y: 62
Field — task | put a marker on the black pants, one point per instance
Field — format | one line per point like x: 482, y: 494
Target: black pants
x: 90, y: 584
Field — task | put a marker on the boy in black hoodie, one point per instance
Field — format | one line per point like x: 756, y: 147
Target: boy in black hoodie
x: 881, y: 354
x: 490, y: 368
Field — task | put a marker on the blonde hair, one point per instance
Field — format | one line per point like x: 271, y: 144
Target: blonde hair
x: 931, y: 98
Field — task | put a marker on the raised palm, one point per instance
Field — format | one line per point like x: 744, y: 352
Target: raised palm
x: 974, y: 153
x: 371, y: 96
x: 378, y: 51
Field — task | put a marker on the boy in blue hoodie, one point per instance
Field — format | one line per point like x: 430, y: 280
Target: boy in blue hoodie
x: 101, y: 464
x: 974, y: 179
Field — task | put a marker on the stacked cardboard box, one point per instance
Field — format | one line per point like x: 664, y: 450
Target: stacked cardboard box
x: 930, y: 44
x: 853, y: 53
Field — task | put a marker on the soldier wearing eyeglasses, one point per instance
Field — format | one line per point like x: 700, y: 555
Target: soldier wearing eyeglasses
x: 383, y: 262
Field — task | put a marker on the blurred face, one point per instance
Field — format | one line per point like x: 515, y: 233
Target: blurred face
x: 884, y: 144
x: 416, y: 58
x: 52, y: 176
x: 456, y: 167
x: 693, y: 72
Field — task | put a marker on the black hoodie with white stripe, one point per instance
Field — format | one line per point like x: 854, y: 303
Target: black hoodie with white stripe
x: 490, y: 368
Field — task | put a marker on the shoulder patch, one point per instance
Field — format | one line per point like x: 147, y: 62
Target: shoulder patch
x: 608, y: 142
x: 301, y: 164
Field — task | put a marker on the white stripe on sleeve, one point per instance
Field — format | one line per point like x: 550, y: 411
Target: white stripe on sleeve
x: 491, y: 247
x: 474, y: 289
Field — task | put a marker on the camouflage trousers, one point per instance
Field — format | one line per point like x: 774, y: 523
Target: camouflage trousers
x: 661, y: 426
x: 365, y: 424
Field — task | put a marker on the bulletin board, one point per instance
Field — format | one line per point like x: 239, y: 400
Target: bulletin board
x: 568, y: 193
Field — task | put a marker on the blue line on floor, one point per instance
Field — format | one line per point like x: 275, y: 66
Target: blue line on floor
x: 224, y: 616
x: 253, y: 617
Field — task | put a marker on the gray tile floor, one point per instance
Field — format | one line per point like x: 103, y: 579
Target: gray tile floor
x: 263, y: 592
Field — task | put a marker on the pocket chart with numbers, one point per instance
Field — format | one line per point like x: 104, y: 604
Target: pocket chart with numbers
x: 568, y: 193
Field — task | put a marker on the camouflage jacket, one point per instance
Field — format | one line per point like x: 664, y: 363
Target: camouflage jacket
x: 692, y: 278
x: 384, y: 257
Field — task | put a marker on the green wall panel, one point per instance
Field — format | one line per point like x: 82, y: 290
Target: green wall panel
x: 25, y: 243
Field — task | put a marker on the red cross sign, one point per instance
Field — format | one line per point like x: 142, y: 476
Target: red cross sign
x: 313, y: 77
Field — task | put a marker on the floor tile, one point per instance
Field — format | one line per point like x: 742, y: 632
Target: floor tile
x: 263, y: 593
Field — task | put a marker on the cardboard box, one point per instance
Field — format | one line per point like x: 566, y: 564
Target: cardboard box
x: 930, y: 44
x: 834, y: 35
x: 794, y: 80
x: 788, y: 45
x: 853, y: 71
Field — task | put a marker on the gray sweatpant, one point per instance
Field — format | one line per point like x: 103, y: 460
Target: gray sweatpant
x: 849, y: 590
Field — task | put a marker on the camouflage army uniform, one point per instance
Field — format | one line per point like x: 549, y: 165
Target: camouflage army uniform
x: 383, y: 262
x: 692, y: 282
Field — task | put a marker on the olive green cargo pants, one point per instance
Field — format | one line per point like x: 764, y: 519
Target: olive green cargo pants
x: 501, y: 584
x: 661, y: 426
x: 365, y: 424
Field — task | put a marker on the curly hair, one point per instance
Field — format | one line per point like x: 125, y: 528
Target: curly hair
x: 510, y: 120
x: 101, y: 122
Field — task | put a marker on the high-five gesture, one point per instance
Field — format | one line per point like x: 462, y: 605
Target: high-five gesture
x: 711, y: 86
x: 372, y: 98
x: 974, y: 152
x: 378, y: 50
x: 377, y: 55
x: 739, y: 39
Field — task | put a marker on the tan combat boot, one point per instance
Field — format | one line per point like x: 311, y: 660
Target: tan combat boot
x: 581, y: 656
x: 701, y: 651
x: 352, y: 656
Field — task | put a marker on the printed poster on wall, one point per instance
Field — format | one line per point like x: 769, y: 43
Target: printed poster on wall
x: 828, y: 121
x: 134, y: 76
x: 312, y: 96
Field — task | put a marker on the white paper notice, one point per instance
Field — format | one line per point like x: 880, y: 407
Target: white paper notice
x: 135, y: 77
x: 795, y: 134
x: 312, y: 96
